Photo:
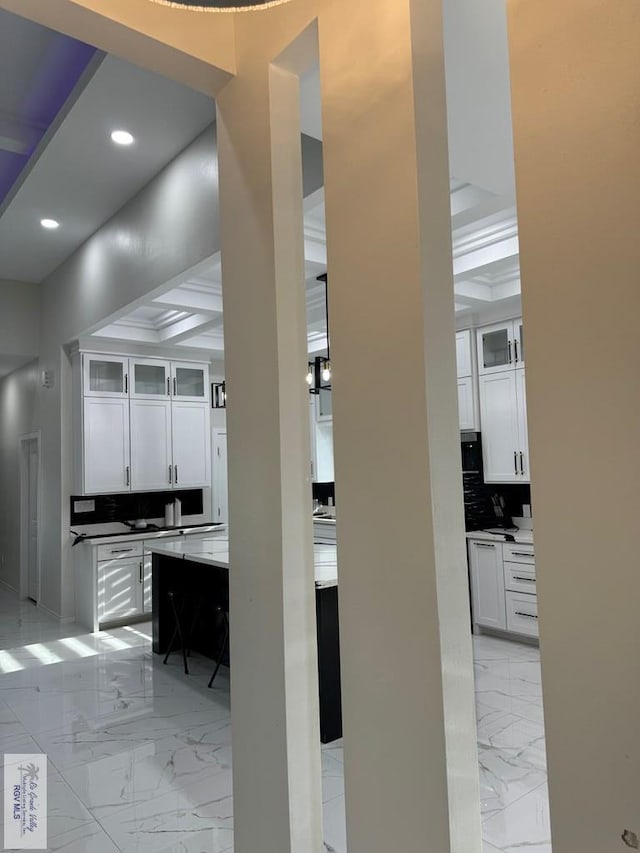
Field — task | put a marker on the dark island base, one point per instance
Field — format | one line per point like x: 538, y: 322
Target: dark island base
x: 197, y: 582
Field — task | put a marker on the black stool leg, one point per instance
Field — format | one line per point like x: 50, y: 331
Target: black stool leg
x: 225, y: 643
x: 177, y: 632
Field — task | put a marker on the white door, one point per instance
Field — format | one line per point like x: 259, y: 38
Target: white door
x: 32, y: 458
x: 150, y: 379
x: 120, y: 585
x: 220, y: 482
x: 495, y: 348
x: 523, y: 448
x: 500, y: 434
x: 105, y: 376
x: 463, y: 353
x: 151, y: 460
x: 147, y: 567
x: 487, y: 584
x: 191, y: 445
x: 190, y: 382
x: 466, y: 409
x: 106, y: 445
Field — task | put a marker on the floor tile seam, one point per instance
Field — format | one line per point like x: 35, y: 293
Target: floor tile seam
x: 513, y: 802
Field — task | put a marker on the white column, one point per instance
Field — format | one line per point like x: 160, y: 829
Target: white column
x: 409, y: 723
x: 576, y: 100
x: 274, y: 682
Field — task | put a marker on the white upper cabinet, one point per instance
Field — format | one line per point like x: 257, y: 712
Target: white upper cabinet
x: 463, y: 353
x: 150, y: 379
x: 190, y: 382
x: 151, y: 450
x: 191, y: 445
x: 505, y: 451
x: 106, y: 445
x: 105, y: 376
x: 500, y: 347
x: 145, y: 424
x: 467, y: 394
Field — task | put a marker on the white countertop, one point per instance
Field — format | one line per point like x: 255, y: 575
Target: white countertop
x: 215, y: 552
x: 523, y: 537
x: 97, y: 534
x: 324, y: 520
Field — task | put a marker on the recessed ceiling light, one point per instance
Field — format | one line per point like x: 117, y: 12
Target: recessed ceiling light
x: 51, y: 224
x: 121, y: 137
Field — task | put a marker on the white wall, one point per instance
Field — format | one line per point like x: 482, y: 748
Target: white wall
x: 18, y: 416
x: 19, y: 323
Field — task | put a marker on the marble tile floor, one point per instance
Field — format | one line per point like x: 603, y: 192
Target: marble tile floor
x: 140, y: 755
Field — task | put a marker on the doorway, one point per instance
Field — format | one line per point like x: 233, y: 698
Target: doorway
x: 30, y: 488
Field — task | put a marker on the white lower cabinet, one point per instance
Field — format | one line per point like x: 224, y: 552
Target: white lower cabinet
x: 503, y: 587
x: 151, y: 457
x: 119, y: 588
x: 503, y: 418
x: 191, y: 445
x: 106, y: 445
x: 487, y: 584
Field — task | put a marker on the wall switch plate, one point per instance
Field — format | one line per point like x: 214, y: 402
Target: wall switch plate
x: 84, y: 506
x: 526, y: 510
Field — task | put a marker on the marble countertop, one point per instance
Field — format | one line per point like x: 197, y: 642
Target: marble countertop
x: 96, y: 534
x: 215, y: 552
x: 320, y: 519
x: 523, y: 537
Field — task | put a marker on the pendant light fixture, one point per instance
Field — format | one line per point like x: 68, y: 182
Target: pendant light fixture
x: 319, y: 370
x: 220, y: 5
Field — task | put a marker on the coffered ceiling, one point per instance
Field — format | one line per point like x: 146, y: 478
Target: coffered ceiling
x: 76, y: 174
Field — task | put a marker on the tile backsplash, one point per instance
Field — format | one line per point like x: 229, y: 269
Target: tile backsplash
x: 133, y: 505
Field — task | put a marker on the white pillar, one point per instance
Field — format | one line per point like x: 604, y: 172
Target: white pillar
x: 409, y: 724
x: 274, y: 682
x: 576, y: 100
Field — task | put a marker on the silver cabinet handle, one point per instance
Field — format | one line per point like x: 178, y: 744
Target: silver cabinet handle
x: 522, y: 463
x: 128, y: 475
x: 140, y: 571
x: 168, y: 387
x: 484, y: 544
x: 175, y: 387
x: 528, y: 615
x: 515, y: 463
x: 126, y: 383
x: 121, y: 550
x: 170, y: 475
x: 515, y: 347
x: 510, y: 358
x: 176, y: 471
x: 521, y: 554
x: 526, y: 580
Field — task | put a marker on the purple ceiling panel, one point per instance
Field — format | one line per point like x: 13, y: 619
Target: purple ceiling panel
x: 61, y: 62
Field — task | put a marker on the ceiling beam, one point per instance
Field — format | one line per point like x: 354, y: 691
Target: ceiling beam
x: 471, y: 263
x: 184, y: 329
x: 185, y: 300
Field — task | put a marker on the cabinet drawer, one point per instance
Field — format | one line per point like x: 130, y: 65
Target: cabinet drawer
x: 119, y: 551
x: 520, y: 577
x: 522, y: 613
x: 514, y: 553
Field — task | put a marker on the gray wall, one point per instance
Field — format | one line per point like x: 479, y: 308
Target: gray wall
x: 18, y: 416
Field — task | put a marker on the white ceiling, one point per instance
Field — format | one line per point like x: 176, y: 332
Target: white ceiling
x: 82, y: 179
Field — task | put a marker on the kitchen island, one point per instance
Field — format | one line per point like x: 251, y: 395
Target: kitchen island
x: 203, y: 565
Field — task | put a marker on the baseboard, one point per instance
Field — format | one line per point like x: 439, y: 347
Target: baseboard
x: 63, y: 620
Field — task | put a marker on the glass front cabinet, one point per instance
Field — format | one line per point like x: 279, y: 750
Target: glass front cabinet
x: 190, y: 382
x: 105, y: 376
x: 500, y: 347
x: 150, y: 379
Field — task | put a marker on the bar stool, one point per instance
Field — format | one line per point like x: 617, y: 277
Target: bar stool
x: 221, y: 607
x: 177, y: 610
